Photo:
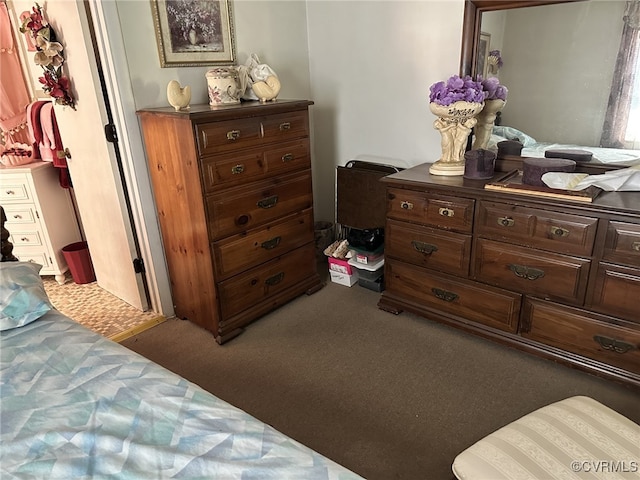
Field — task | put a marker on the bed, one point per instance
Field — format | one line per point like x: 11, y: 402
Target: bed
x: 77, y: 405
x: 533, y: 148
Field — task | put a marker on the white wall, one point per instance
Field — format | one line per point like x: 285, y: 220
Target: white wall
x: 367, y: 65
x: 371, y: 65
x: 275, y: 30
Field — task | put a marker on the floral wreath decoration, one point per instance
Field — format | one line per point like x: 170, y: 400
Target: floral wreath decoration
x: 49, y: 57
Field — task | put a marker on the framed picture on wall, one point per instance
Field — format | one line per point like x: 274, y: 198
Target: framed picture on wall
x: 484, y: 45
x: 194, y: 32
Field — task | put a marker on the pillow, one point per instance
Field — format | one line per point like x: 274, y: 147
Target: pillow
x: 22, y: 295
x: 511, y: 133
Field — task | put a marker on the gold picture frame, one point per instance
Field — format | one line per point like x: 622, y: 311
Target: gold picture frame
x: 484, y: 46
x: 193, y: 33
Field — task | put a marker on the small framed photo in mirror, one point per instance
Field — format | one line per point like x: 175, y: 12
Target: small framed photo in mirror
x: 482, y: 64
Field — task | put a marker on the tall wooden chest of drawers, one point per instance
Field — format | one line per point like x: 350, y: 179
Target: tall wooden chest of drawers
x: 233, y: 193
x: 40, y: 216
x: 558, y: 278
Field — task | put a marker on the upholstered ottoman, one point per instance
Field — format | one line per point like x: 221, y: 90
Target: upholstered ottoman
x: 570, y: 439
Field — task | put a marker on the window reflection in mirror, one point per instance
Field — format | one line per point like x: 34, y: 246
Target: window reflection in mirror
x: 558, y: 64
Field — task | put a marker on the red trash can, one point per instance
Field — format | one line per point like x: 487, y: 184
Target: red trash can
x: 79, y: 261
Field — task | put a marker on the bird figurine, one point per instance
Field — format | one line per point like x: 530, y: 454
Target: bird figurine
x: 268, y: 89
x: 179, y: 97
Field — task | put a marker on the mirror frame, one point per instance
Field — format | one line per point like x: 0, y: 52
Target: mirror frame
x: 473, y: 10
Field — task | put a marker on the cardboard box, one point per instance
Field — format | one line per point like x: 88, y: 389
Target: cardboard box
x: 343, y: 278
x: 340, y: 265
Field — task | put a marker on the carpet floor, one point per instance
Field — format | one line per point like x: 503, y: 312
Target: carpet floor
x: 389, y: 397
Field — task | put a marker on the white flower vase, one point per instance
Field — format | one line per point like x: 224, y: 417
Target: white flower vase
x: 454, y: 122
x: 486, y: 119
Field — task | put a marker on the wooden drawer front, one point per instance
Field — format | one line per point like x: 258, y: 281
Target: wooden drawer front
x: 246, y: 290
x: 482, y: 304
x: 286, y: 126
x: 20, y: 215
x: 553, y: 231
x: 243, y: 208
x: 218, y: 137
x: 617, y: 291
x: 14, y: 188
x: 451, y: 213
x: 288, y: 157
x: 623, y: 243
x: 591, y: 336
x: 232, y: 169
x: 241, y: 252
x: 543, y: 274
x: 428, y: 247
x: 26, y: 238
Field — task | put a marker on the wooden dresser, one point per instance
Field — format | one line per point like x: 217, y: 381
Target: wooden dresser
x: 234, y: 198
x: 40, y: 216
x: 557, y: 278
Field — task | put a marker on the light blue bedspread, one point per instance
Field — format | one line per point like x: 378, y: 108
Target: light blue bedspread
x: 76, y: 405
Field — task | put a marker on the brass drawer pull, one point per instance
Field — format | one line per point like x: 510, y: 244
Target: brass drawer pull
x: 525, y: 272
x: 287, y: 157
x: 559, y: 231
x: 10, y: 192
x: 635, y: 246
x: 268, y: 202
x: 422, y: 247
x: 271, y: 244
x: 24, y: 239
x: 506, y: 221
x: 17, y: 216
x: 233, y: 134
x: 235, y: 170
x: 446, y: 212
x: 285, y: 126
x: 274, y: 280
x: 444, y: 295
x: 406, y: 205
x: 613, y: 345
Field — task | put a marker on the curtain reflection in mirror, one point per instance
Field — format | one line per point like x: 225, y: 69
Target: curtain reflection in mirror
x: 622, y: 121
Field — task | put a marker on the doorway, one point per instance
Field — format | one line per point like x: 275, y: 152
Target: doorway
x: 99, y: 183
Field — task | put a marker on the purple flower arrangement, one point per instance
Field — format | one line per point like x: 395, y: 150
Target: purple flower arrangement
x: 493, y: 89
x: 457, y: 89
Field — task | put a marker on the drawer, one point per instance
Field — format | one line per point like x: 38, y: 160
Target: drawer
x: 243, y: 208
x: 241, y: 252
x: 288, y: 157
x: 216, y: 137
x: 541, y: 274
x: 554, y: 231
x: 590, y: 335
x: 232, y: 169
x: 286, y: 126
x: 623, y: 243
x: 26, y: 238
x: 268, y: 280
x: 20, y: 214
x: 428, y: 247
x: 451, y: 213
x: 489, y: 306
x: 34, y: 256
x: 14, y: 188
x: 617, y: 291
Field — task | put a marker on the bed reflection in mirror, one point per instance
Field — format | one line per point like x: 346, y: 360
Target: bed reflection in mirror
x: 558, y: 62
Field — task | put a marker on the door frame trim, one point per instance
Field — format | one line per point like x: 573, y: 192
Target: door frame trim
x: 111, y: 48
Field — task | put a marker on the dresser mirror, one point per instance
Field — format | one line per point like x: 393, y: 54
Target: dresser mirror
x: 558, y: 60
